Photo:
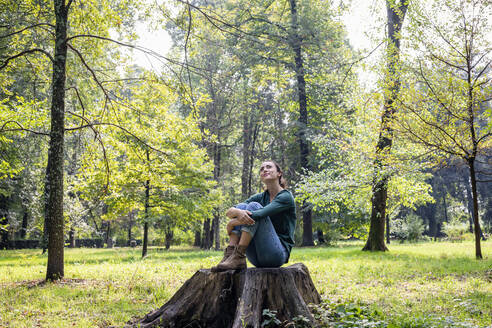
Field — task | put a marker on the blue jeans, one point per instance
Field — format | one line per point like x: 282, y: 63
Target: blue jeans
x: 265, y: 249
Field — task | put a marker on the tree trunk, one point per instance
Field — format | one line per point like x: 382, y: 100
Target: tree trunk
x: 71, y: 238
x: 206, y: 240
x: 146, y: 218
x: 395, y: 16
x: 44, y: 237
x: 130, y: 225
x: 321, y: 238
x: 387, y: 229
x: 469, y: 201
x: 54, y: 171
x: 245, y: 174
x: 25, y: 221
x: 169, y: 238
x: 236, y: 299
x: 250, y: 132
x: 107, y: 233
x: 198, y: 238
x: 431, y: 215
x: 445, y: 206
x: 145, y: 239
x: 295, y: 43
x: 252, y: 159
x: 476, y: 222
x: 4, y: 232
x: 375, y: 242
x: 216, y: 230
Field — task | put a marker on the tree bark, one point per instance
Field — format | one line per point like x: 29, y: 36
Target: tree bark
x: 395, y: 16
x: 469, y: 201
x: 107, y: 233
x: 25, y: 221
x: 387, y: 229
x: 54, y: 171
x: 71, y: 238
x: 445, y: 207
x: 252, y: 159
x: 471, y: 159
x: 4, y: 233
x: 169, y: 237
x: 198, y: 238
x: 245, y: 174
x: 236, y: 299
x: 146, y: 218
x: 431, y: 215
x: 295, y: 43
x: 216, y: 230
x: 130, y: 225
x: 215, y: 233
x: 476, y: 222
x: 206, y: 240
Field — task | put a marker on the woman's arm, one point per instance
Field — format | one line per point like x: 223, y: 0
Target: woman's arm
x: 281, y: 203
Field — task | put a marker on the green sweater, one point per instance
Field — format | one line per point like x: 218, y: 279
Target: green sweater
x: 282, y: 213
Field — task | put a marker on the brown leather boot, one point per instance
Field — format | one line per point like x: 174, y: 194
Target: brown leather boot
x: 236, y: 261
x: 227, y: 252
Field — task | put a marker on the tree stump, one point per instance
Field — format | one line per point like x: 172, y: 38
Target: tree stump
x: 236, y: 299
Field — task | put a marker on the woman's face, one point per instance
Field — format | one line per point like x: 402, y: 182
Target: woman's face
x: 268, y: 171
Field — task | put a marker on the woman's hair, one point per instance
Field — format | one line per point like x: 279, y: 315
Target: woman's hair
x: 281, y: 179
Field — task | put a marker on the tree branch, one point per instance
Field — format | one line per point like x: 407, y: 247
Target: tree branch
x: 20, y: 128
x: 485, y: 136
x: 26, y: 28
x: 92, y: 124
x: 481, y: 72
x: 90, y: 70
x: 448, y: 63
x: 22, y: 53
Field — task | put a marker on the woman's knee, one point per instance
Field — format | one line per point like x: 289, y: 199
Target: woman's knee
x: 253, y: 206
x: 241, y: 206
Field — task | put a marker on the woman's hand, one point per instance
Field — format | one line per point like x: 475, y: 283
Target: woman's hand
x: 242, y: 216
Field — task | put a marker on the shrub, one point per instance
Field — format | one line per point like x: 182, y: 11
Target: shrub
x: 411, y: 228
x: 415, y: 227
x: 455, y: 230
x: 341, y: 314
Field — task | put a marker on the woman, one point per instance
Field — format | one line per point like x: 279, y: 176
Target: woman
x: 261, y: 228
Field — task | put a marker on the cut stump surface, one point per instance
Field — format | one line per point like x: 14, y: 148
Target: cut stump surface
x: 236, y: 299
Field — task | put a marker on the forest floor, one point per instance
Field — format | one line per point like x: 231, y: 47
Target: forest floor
x: 432, y: 284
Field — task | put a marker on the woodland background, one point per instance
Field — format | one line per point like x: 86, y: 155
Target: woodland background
x: 97, y: 151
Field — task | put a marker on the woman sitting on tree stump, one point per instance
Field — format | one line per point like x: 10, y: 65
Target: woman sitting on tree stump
x: 261, y: 228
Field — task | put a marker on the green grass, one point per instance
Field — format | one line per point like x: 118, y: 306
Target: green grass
x: 413, y: 285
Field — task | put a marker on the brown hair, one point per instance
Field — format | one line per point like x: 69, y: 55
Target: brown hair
x: 281, y: 179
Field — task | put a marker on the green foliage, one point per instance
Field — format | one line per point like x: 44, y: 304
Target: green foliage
x: 343, y: 187
x: 270, y: 319
x: 161, y: 149
x: 345, y: 314
x: 443, y: 105
x: 455, y: 230
x: 410, y: 228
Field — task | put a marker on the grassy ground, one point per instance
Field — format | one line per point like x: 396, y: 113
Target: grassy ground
x: 415, y: 285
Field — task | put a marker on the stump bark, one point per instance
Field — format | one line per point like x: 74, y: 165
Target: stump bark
x: 236, y: 299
